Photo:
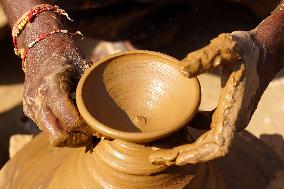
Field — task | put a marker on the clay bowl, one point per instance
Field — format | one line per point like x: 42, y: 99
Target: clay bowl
x: 137, y: 96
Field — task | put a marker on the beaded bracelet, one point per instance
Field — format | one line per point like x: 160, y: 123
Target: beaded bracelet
x: 28, y: 17
x: 40, y: 38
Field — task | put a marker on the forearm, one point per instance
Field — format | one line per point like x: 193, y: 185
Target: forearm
x: 270, y: 36
x: 43, y: 23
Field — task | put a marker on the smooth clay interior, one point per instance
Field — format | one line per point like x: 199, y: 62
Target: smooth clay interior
x: 140, y: 92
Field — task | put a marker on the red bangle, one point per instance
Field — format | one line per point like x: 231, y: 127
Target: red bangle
x: 42, y: 37
x: 28, y: 17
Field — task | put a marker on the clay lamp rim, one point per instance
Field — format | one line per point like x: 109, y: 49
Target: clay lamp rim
x: 105, y: 131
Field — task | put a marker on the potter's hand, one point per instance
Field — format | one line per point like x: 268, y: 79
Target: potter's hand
x: 54, y: 63
x: 49, y: 84
x: 238, y: 75
x: 249, y: 61
x: 221, y: 52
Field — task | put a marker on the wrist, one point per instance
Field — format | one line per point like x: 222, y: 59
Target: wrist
x: 56, y: 45
x: 37, y: 21
x: 269, y: 35
x: 42, y: 28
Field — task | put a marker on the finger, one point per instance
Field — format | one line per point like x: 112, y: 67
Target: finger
x: 187, y: 147
x: 62, y: 106
x: 221, y: 50
x: 73, y: 139
x: 215, y: 143
x: 184, y: 147
x: 49, y: 124
x: 201, y: 153
x: 166, y: 157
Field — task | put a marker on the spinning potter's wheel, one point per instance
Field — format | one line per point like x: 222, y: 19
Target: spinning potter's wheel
x: 137, y: 96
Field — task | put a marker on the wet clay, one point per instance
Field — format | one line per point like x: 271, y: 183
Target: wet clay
x: 236, y: 103
x: 123, y: 164
x: 36, y: 165
x: 221, y: 51
x: 113, y: 164
x: 155, y: 85
x: 137, y: 96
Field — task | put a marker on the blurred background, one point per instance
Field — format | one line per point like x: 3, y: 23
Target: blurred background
x: 172, y: 27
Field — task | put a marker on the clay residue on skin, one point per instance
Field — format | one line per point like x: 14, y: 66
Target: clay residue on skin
x: 220, y: 51
x: 240, y: 83
x: 47, y: 102
x: 251, y: 84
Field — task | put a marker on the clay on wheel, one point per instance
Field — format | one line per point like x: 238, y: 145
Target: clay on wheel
x: 137, y: 96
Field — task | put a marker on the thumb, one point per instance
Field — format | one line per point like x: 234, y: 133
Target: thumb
x: 221, y: 50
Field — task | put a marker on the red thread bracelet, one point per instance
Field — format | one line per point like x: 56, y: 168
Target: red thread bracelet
x: 42, y: 37
x: 28, y: 17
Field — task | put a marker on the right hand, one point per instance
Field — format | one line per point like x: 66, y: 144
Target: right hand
x: 47, y: 100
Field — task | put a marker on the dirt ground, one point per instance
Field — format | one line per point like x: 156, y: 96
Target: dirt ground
x: 266, y: 124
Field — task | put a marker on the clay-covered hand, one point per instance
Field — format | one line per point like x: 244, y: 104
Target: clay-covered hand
x: 221, y: 52
x: 48, y: 100
x: 53, y: 65
x: 248, y: 62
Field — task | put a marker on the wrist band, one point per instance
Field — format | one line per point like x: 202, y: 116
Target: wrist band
x: 29, y: 16
x: 40, y: 38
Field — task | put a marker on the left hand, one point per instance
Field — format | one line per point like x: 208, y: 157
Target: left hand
x: 238, y: 57
x: 48, y: 102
